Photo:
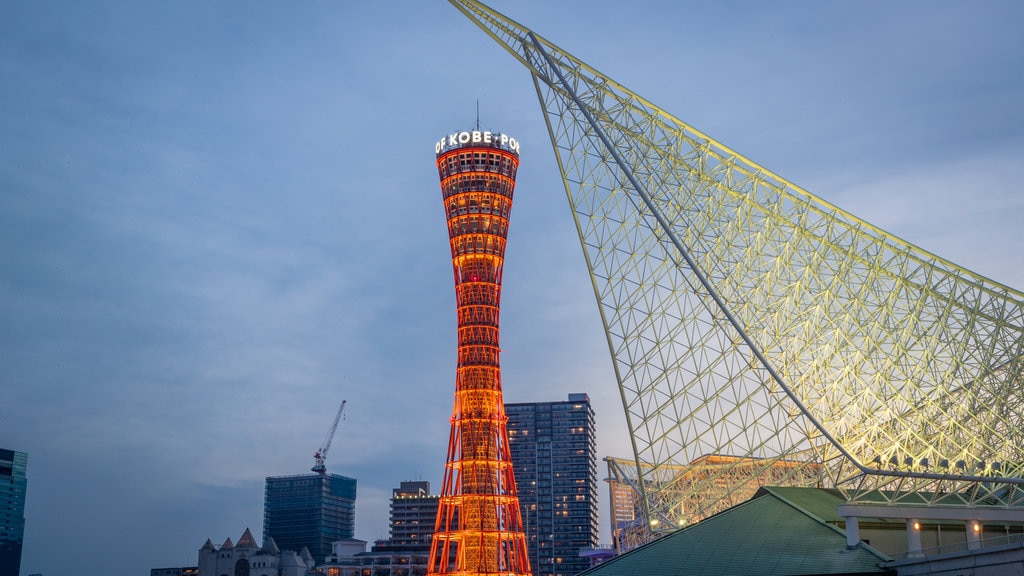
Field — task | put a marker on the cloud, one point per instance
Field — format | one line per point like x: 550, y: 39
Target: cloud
x: 965, y: 211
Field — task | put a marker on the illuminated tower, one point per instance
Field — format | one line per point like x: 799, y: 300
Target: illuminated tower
x: 479, y: 529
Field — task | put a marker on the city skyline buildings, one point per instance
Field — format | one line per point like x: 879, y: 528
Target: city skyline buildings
x: 479, y: 527
x: 196, y: 258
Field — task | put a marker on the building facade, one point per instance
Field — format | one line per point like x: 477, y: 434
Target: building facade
x: 181, y: 571
x: 13, y: 484
x: 554, y: 451
x: 309, y: 511
x: 247, y: 558
x: 413, y: 513
x: 350, y: 558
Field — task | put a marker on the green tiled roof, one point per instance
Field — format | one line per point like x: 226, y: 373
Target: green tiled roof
x: 822, y: 504
x: 769, y: 535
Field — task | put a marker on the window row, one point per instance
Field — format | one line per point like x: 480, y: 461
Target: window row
x: 478, y: 202
x: 478, y: 182
x: 481, y: 161
x: 473, y: 224
x: 469, y: 243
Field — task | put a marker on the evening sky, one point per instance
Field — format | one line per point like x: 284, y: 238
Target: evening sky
x: 220, y: 219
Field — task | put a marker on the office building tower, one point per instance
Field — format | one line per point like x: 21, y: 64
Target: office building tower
x: 309, y: 511
x: 554, y: 450
x: 413, y: 513
x: 479, y: 528
x: 13, y: 483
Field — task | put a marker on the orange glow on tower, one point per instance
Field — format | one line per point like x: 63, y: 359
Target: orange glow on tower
x: 479, y: 528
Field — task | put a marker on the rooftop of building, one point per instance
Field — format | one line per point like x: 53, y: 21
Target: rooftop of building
x: 781, y: 531
x: 310, y: 476
x: 247, y: 541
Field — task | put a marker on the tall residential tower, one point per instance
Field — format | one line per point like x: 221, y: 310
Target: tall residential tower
x: 479, y: 529
x: 554, y: 449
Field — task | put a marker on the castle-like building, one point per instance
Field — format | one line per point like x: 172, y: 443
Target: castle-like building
x: 249, y: 559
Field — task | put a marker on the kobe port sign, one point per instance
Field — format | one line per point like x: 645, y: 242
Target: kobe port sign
x: 459, y: 139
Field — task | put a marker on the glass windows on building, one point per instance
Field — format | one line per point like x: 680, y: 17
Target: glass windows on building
x: 554, y: 455
x: 309, y: 510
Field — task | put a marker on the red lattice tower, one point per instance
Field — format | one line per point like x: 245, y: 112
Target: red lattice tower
x: 479, y: 528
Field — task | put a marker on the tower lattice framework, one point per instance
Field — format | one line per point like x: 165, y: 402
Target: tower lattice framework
x: 761, y: 335
x: 479, y: 528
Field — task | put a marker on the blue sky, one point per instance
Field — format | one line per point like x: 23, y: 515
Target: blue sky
x: 220, y: 219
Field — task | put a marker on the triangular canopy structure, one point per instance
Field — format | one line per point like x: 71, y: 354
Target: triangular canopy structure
x: 759, y: 332
x: 227, y: 545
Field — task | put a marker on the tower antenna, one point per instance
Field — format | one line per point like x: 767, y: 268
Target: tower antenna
x: 478, y: 114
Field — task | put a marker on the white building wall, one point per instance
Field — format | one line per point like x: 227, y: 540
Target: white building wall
x: 221, y: 562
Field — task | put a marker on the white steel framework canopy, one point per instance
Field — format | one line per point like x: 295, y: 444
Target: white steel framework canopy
x: 761, y: 335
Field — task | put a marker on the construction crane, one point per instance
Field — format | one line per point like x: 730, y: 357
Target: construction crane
x: 320, y: 455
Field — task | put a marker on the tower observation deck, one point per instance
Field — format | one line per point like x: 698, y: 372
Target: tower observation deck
x: 479, y: 528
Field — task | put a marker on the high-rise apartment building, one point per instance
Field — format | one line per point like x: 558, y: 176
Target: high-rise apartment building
x: 413, y: 513
x: 554, y: 451
x: 13, y: 482
x: 309, y: 510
